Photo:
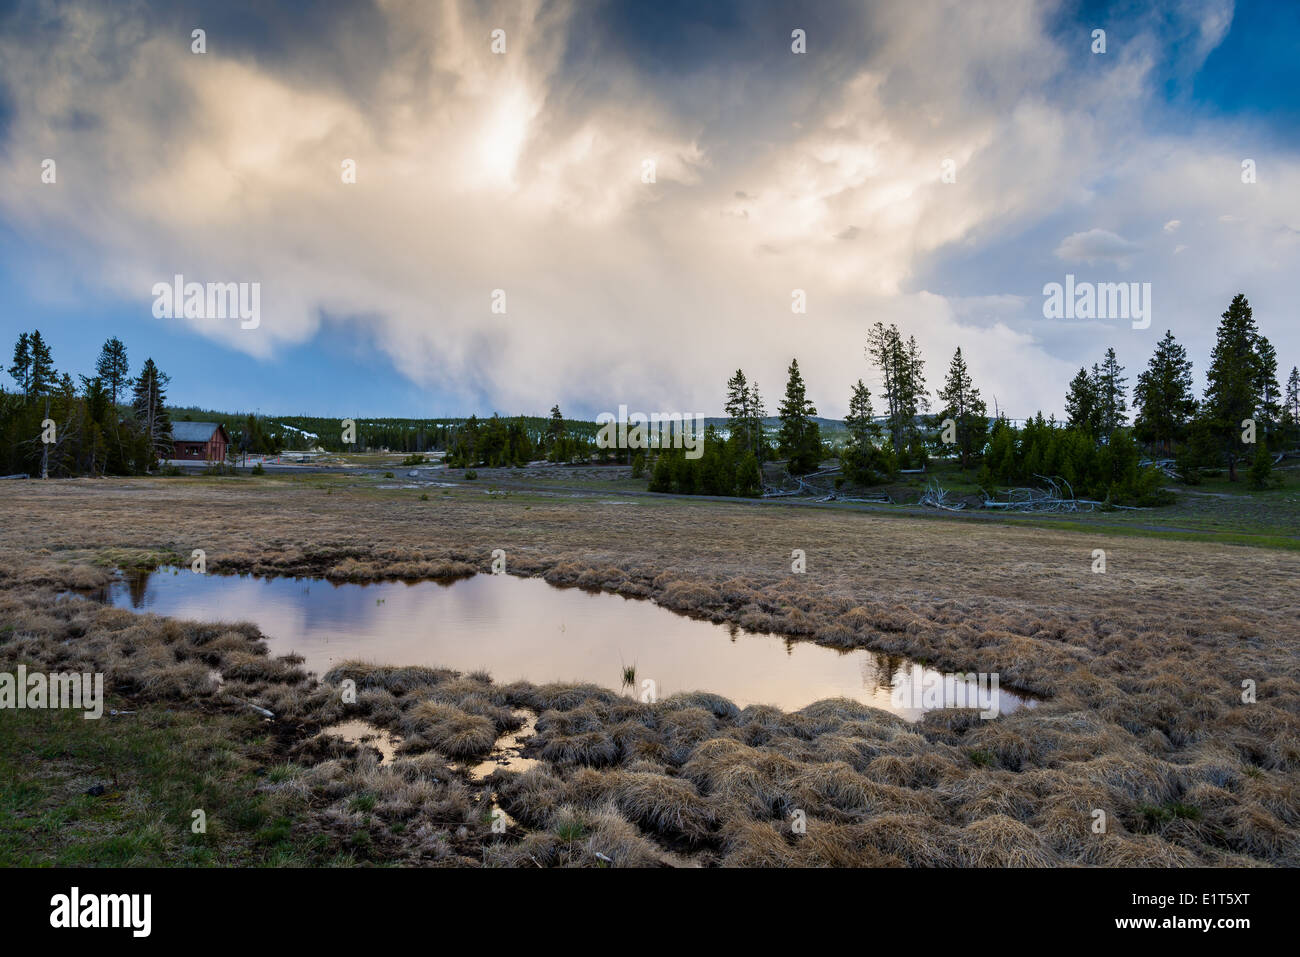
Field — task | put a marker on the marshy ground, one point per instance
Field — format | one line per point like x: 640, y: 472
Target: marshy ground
x: 1141, y: 669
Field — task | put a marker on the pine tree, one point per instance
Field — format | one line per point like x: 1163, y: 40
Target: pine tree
x: 756, y: 415
x: 749, y: 478
x: 862, y: 460
x: 799, y: 440
x: 44, y: 380
x: 1261, y: 469
x: 739, y: 410
x: 1232, y: 381
x: 1163, y: 396
x: 555, y: 430
x: 861, y: 418
x: 902, y: 372
x: 21, y: 370
x: 150, y: 398
x: 1112, y: 408
x: 884, y: 349
x: 33, y: 367
x: 1081, y: 403
x: 1269, y: 393
x: 962, y: 404
x: 916, y: 394
x: 1291, y: 410
x: 113, y: 368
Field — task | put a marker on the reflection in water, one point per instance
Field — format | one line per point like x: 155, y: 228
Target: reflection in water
x: 357, y: 731
x: 526, y: 629
x: 508, y: 753
x: 887, y: 667
x: 137, y: 582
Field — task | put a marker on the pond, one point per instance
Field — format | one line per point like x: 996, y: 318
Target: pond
x: 526, y: 629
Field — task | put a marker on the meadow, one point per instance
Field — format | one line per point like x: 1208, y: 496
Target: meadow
x: 1142, y: 726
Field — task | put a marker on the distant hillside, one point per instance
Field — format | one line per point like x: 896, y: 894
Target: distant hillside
x: 303, y: 432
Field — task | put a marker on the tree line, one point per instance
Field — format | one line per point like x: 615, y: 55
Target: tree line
x: 1243, y: 412
x: 53, y: 425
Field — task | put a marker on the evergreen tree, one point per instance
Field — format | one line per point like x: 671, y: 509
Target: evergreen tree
x: 884, y: 349
x: 758, y: 443
x: 860, y: 421
x: 749, y: 477
x: 149, y: 404
x: 902, y: 372
x: 862, y: 460
x: 745, y: 413
x: 1163, y: 396
x: 740, y: 415
x: 1261, y: 470
x: 1291, y: 409
x: 1112, y: 407
x: 21, y: 370
x: 44, y: 380
x: 1081, y: 408
x: 112, y: 368
x: 1233, y: 380
x: 555, y: 428
x: 962, y: 404
x: 1269, y: 393
x: 917, y: 395
x: 33, y: 367
x: 799, y: 440
x: 661, y: 478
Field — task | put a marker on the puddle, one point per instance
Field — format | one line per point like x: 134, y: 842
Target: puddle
x: 508, y: 754
x: 357, y: 731
x: 525, y: 629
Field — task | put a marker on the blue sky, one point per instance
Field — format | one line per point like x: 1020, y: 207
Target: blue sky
x: 522, y: 171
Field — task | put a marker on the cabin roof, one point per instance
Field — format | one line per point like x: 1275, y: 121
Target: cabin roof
x: 194, y: 431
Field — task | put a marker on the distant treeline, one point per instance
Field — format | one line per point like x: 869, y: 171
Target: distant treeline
x: 114, y: 424
x: 1244, y: 415
x: 472, y: 441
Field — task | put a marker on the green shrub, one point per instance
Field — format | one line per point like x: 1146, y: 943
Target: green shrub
x: 1261, y: 471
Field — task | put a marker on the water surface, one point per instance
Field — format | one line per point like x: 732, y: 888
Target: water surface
x: 526, y: 629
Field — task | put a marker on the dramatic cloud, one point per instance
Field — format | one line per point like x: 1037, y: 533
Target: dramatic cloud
x: 525, y: 172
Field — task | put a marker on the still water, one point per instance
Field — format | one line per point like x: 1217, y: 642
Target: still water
x: 525, y: 629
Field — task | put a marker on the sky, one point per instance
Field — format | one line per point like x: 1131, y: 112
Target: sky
x: 930, y: 164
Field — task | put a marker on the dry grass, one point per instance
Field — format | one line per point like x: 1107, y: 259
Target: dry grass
x: 1142, y: 667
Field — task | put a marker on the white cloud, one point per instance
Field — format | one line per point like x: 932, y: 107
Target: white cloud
x: 1096, y: 245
